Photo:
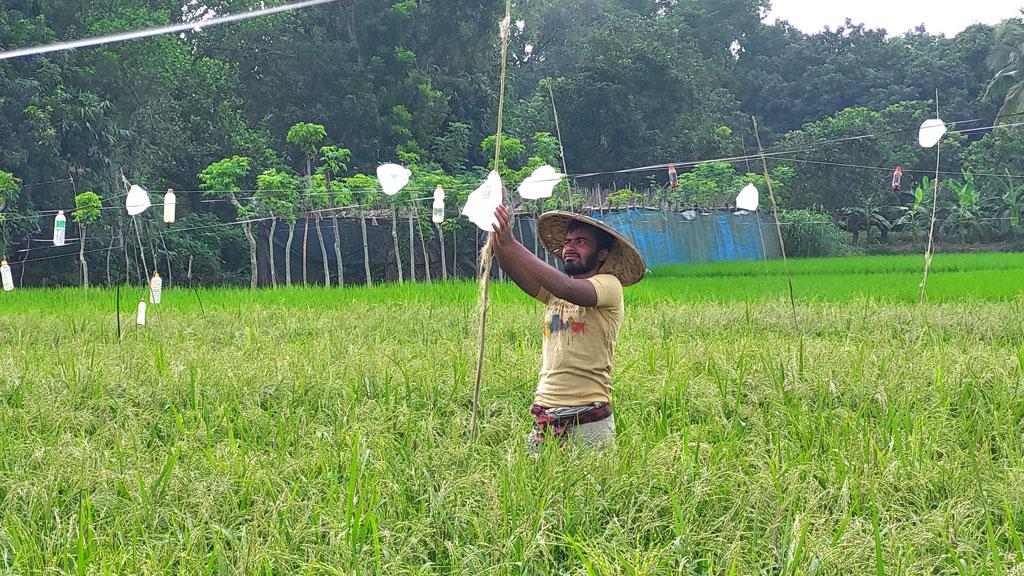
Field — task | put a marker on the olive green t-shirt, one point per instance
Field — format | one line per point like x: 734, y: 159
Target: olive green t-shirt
x: 578, y: 346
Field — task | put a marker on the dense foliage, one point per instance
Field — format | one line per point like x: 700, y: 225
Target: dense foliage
x: 316, y: 99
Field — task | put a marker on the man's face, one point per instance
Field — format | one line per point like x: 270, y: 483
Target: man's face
x: 580, y: 253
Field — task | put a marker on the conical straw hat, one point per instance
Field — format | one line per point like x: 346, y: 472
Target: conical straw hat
x: 624, y: 260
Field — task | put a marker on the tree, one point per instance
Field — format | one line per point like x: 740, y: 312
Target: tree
x: 335, y: 163
x: 511, y: 150
x: 635, y: 82
x: 317, y: 199
x: 365, y: 190
x: 221, y: 180
x: 999, y: 150
x: 88, y: 209
x: 707, y: 185
x: 824, y: 183
x: 277, y: 193
x: 787, y: 78
x: 10, y: 188
x: 716, y: 184
x: 624, y: 198
x: 451, y: 149
x: 307, y: 137
x: 1006, y: 62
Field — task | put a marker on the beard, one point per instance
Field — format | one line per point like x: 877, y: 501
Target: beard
x: 582, y: 267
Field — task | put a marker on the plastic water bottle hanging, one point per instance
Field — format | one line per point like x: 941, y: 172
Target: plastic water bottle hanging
x: 155, y: 287
x: 5, y: 272
x: 897, y: 176
x: 140, y: 317
x: 169, y: 206
x: 59, y: 226
x: 673, y: 178
x: 438, y: 215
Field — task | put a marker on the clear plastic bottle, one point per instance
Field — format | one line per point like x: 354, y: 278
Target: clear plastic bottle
x: 438, y: 215
x: 140, y: 318
x: 155, y: 287
x: 59, y: 226
x: 8, y: 280
x: 170, y: 201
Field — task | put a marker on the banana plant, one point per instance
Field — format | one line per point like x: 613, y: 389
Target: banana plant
x: 963, y: 215
x: 870, y: 214
x: 915, y: 216
x: 1009, y: 206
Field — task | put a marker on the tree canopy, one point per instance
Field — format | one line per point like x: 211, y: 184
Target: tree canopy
x: 332, y: 91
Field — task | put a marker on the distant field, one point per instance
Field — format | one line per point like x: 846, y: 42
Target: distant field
x: 953, y: 277
x: 311, y: 431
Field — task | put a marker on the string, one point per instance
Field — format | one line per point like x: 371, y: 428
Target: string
x: 486, y: 253
x: 935, y: 208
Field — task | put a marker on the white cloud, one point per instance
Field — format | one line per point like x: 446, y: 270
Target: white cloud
x: 896, y: 16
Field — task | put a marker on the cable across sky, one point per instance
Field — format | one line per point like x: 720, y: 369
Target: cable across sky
x: 157, y: 31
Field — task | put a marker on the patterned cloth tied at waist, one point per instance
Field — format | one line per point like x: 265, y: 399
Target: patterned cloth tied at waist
x: 560, y: 420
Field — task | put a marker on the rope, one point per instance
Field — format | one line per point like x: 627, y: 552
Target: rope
x: 142, y: 251
x: 561, y: 149
x: 778, y: 229
x: 37, y: 214
x: 812, y: 146
x: 779, y: 154
x: 889, y: 168
x: 487, y: 253
x: 935, y: 208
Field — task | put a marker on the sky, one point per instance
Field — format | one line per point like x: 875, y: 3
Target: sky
x: 896, y: 16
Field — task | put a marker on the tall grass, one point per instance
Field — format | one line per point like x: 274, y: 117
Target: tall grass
x: 309, y: 431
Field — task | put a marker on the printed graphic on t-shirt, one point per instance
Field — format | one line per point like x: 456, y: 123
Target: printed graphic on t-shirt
x: 568, y: 319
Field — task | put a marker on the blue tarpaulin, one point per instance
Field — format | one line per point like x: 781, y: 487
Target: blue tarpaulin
x: 668, y: 238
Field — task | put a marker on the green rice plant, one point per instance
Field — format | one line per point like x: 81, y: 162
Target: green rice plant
x: 309, y: 430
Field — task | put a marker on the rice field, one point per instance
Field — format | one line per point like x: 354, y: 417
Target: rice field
x: 326, y: 431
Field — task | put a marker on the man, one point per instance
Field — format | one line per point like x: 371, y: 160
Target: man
x: 584, y: 312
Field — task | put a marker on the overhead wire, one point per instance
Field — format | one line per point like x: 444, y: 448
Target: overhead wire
x: 811, y: 146
x: 780, y: 155
x: 156, y: 31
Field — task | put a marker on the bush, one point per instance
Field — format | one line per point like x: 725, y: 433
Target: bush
x: 218, y: 250
x: 810, y: 233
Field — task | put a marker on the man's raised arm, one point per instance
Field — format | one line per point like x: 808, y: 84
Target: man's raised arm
x: 531, y: 273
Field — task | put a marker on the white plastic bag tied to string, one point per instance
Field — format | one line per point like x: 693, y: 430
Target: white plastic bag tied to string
x: 137, y: 201
x: 482, y: 203
x: 540, y: 184
x: 8, y: 279
x: 931, y: 132
x: 170, y: 202
x: 156, y: 285
x: 748, y: 199
x: 140, y: 316
x: 438, y: 213
x: 393, y: 178
x: 59, y: 228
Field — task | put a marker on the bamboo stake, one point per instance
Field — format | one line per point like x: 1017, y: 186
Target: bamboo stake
x: 778, y: 227
x: 487, y: 253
